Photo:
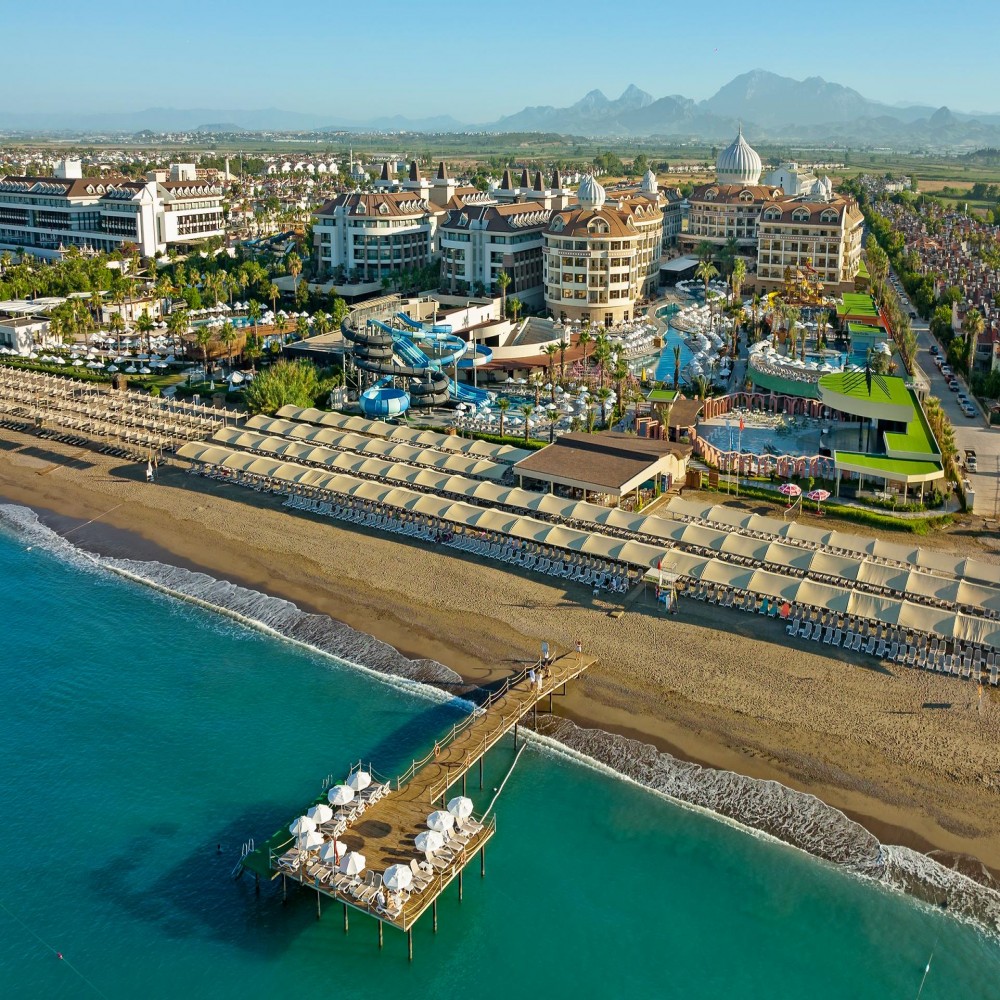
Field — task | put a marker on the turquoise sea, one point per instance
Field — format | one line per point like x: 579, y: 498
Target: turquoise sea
x: 137, y: 733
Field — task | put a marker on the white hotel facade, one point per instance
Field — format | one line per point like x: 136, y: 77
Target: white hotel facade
x: 47, y: 215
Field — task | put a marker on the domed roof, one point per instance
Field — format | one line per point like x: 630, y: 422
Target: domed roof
x: 738, y: 163
x: 590, y: 194
x: 648, y: 185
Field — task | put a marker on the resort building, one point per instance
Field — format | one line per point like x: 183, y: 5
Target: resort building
x: 821, y: 238
x: 50, y: 214
x: 480, y: 241
x: 603, y: 257
x: 802, y: 227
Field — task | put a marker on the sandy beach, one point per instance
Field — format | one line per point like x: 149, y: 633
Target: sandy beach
x: 910, y: 755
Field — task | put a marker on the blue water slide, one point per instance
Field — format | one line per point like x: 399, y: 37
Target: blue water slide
x: 411, y: 354
x: 407, y: 321
x: 467, y: 393
x: 414, y: 325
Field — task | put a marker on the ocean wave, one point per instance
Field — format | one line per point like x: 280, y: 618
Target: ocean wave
x: 763, y: 808
x: 772, y: 810
x: 271, y: 615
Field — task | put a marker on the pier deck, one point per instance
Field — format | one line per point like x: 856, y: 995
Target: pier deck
x: 384, y: 833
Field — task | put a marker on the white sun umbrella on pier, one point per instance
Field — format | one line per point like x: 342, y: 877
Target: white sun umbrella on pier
x: 303, y: 825
x: 332, y: 851
x: 320, y: 814
x: 460, y: 807
x: 397, y: 877
x: 340, y: 795
x: 359, y: 780
x: 440, y: 821
x: 429, y: 841
x: 353, y: 863
x: 309, y: 841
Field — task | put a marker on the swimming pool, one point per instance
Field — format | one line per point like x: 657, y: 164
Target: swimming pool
x: 779, y: 440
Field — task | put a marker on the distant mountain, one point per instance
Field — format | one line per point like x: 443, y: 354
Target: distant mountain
x: 772, y: 108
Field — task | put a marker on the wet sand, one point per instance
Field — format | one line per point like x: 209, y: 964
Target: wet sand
x: 910, y: 755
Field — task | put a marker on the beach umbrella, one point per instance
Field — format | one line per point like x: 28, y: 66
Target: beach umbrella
x: 304, y: 824
x: 332, y: 851
x: 359, y: 780
x: 309, y: 841
x: 429, y: 840
x: 440, y: 821
x: 790, y: 490
x: 320, y: 814
x: 818, y: 497
x: 353, y: 863
x: 460, y: 807
x: 340, y: 795
x: 397, y: 877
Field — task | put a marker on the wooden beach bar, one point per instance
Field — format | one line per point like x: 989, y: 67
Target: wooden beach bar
x: 384, y: 825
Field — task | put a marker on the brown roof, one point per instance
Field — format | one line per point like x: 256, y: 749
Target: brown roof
x: 684, y: 412
x: 515, y: 217
x: 71, y: 187
x: 377, y: 203
x: 787, y: 207
x: 727, y: 193
x: 576, y: 222
x: 607, y: 460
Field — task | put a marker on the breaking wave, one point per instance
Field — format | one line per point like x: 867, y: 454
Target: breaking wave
x: 763, y: 808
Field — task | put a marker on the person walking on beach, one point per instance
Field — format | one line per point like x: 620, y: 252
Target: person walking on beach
x: 149, y: 471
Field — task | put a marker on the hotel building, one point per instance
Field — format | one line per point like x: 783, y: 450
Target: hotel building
x: 48, y: 215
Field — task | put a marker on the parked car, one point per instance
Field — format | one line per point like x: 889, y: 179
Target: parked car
x: 953, y: 385
x: 970, y: 459
x: 970, y: 411
x: 945, y: 369
x: 935, y: 349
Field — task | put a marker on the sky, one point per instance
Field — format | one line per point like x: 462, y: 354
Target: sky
x: 359, y: 60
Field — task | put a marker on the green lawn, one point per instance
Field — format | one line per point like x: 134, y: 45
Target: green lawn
x: 879, y: 464
x: 918, y: 438
x: 888, y: 388
x: 661, y: 395
x: 858, y: 304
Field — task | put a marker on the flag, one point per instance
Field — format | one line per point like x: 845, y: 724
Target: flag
x: 741, y: 425
x: 659, y: 575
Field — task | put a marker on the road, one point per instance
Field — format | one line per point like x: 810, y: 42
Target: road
x: 974, y: 433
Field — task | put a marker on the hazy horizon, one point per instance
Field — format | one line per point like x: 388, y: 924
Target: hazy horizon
x: 406, y: 62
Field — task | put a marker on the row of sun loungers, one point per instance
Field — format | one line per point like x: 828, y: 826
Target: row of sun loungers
x: 862, y: 636
x: 597, y: 574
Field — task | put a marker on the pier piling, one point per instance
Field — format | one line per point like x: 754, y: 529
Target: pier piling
x: 284, y: 889
x: 380, y: 934
x: 480, y: 772
x: 345, y: 918
x: 482, y: 861
x: 460, y: 886
x: 434, y: 913
x: 409, y: 938
x: 319, y: 904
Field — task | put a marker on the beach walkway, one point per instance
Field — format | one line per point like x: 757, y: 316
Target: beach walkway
x: 385, y: 831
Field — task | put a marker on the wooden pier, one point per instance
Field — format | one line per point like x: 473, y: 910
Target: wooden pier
x: 384, y: 832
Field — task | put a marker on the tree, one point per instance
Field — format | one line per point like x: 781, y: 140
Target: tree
x: 602, y: 355
x: 516, y: 305
x: 603, y: 395
x: 551, y: 350
x: 294, y: 265
x: 972, y: 326
x: 227, y: 337
x: 563, y: 345
x: 705, y: 251
x: 117, y: 324
x: 177, y: 324
x: 677, y: 366
x: 503, y: 283
x: 705, y: 272
x: 144, y: 324
x: 203, y: 338
x: 253, y: 312
x: 273, y: 293
x: 252, y: 348
x: 583, y: 340
x: 302, y: 327
x: 527, y: 409
x: 295, y: 383
x: 738, y: 276
x: 503, y: 405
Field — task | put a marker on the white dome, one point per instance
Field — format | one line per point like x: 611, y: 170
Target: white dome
x: 648, y: 183
x: 590, y: 194
x: 738, y: 163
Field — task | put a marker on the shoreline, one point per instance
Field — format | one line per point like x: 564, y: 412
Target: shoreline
x: 228, y: 533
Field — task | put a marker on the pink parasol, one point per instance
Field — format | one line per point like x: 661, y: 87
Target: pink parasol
x: 790, y: 490
x: 818, y: 495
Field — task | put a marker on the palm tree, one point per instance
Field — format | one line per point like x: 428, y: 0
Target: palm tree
x: 706, y: 271
x: 603, y: 395
x: 144, y: 324
x: 503, y: 283
x: 583, y: 340
x: 563, y: 346
x: 273, y: 293
x: 117, y: 324
x: 294, y: 264
x: 228, y: 336
x: 972, y: 326
x: 602, y: 354
x: 503, y: 405
x: 527, y: 409
x: 203, y: 337
x: 321, y: 323
x: 177, y: 324
x: 738, y: 276
x: 705, y: 251
x: 677, y: 366
x: 516, y: 305
x: 620, y: 375
x: 254, y: 314
x: 551, y: 350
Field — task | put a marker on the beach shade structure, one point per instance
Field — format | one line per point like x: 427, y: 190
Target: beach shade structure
x: 320, y: 814
x: 340, y: 795
x: 397, y: 877
x: 460, y: 807
x: 440, y: 821
x: 790, y: 490
x: 353, y: 863
x: 332, y: 851
x: 359, y: 780
x: 429, y: 841
x: 303, y: 825
x: 309, y: 841
x: 818, y: 496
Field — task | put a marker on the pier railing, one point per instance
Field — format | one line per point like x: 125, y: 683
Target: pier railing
x: 460, y: 727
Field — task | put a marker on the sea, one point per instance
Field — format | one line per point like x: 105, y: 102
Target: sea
x: 146, y: 739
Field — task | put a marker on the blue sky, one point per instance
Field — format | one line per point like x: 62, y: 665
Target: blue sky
x: 358, y: 60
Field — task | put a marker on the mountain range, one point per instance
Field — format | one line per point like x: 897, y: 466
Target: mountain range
x: 771, y: 107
